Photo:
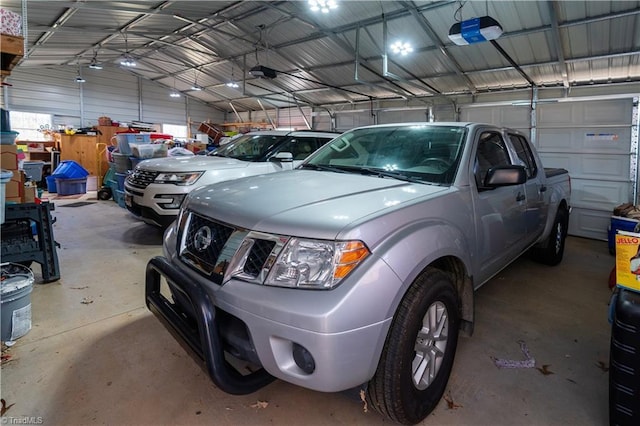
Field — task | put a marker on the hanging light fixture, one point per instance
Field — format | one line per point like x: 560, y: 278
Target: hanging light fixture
x: 232, y: 83
x: 127, y: 59
x: 195, y: 82
x: 79, y: 78
x: 94, y: 64
x: 174, y: 93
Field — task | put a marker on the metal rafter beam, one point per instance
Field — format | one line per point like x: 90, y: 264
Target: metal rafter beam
x: 557, y: 42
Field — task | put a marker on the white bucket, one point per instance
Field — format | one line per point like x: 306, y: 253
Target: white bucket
x: 15, y: 301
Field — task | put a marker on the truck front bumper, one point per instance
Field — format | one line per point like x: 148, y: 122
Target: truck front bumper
x: 196, y: 326
x: 322, y: 361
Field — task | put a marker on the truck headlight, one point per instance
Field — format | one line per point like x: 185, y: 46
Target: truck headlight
x: 188, y: 178
x: 315, y: 264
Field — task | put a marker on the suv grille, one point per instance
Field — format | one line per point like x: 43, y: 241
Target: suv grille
x: 141, y: 178
x: 210, y: 247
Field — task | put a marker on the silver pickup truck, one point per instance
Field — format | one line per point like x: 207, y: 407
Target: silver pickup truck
x: 357, y: 268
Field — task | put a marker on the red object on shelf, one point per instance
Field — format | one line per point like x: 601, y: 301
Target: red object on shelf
x: 160, y: 136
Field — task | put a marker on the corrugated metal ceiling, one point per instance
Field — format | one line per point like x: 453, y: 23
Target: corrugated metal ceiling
x: 554, y: 43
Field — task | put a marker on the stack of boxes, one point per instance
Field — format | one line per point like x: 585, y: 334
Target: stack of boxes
x: 19, y: 189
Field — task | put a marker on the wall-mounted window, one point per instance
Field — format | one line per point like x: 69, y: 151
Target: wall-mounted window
x: 178, y: 132
x: 31, y: 126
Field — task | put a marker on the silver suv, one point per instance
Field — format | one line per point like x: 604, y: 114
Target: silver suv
x: 156, y: 188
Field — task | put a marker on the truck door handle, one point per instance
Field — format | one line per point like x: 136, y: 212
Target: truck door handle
x: 543, y: 188
x: 520, y: 196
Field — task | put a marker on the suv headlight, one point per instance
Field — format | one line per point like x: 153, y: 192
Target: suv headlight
x: 188, y: 178
x: 315, y: 264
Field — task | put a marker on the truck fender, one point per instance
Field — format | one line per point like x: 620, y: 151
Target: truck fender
x: 432, y: 243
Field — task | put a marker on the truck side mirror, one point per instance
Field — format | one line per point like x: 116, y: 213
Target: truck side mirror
x: 285, y: 159
x: 505, y: 176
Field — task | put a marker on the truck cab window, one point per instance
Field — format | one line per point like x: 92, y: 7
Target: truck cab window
x: 491, y: 152
x: 523, y: 151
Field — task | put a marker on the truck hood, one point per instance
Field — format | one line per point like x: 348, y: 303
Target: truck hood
x: 307, y: 203
x: 191, y: 163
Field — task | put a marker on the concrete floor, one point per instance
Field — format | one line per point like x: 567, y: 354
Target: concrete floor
x: 95, y: 355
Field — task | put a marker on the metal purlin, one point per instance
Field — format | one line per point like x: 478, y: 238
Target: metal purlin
x: 25, y: 29
x: 633, y: 157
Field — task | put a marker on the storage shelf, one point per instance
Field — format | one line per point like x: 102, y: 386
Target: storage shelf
x: 11, y: 51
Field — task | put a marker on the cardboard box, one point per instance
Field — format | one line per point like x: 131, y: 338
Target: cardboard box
x: 628, y: 260
x: 196, y: 147
x: 30, y: 192
x: 14, y: 189
x: 9, y: 157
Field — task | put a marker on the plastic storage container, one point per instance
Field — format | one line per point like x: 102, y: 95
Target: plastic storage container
x: 8, y: 138
x: 69, y: 169
x: 5, y: 177
x: 124, y: 139
x: 122, y: 162
x: 135, y: 161
x: 15, y: 312
x: 120, y: 177
x: 51, y: 184
x: 149, y: 150
x: 71, y: 186
x: 119, y: 198
x: 624, y: 361
x: 33, y: 169
x: 619, y: 223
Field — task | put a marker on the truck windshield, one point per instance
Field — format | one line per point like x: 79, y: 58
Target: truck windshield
x: 249, y: 147
x: 424, y: 153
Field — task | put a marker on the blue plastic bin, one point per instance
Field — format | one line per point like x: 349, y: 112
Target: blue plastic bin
x: 69, y: 169
x: 51, y: 184
x: 71, y: 186
x: 120, y: 178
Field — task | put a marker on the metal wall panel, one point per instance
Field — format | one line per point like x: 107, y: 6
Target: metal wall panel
x: 404, y: 116
x: 348, y: 120
x: 159, y: 107
x: 197, y: 112
x: 591, y: 139
x: 515, y: 117
x: 322, y: 120
x: 108, y: 92
x: 112, y: 94
x: 49, y: 91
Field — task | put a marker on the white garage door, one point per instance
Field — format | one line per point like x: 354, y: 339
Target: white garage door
x: 593, y: 141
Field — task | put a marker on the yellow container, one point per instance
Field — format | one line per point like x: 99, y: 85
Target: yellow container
x: 628, y: 260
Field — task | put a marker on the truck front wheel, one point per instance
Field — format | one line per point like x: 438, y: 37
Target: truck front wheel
x: 418, y: 355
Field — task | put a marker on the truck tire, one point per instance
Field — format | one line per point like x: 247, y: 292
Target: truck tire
x: 553, y: 250
x: 418, y: 354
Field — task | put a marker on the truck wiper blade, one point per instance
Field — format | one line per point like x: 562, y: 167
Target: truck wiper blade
x: 390, y: 174
x: 323, y: 167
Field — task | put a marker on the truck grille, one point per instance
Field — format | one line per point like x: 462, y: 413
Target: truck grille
x: 210, y: 248
x: 141, y: 178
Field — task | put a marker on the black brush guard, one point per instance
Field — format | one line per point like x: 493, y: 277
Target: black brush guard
x: 204, y: 338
